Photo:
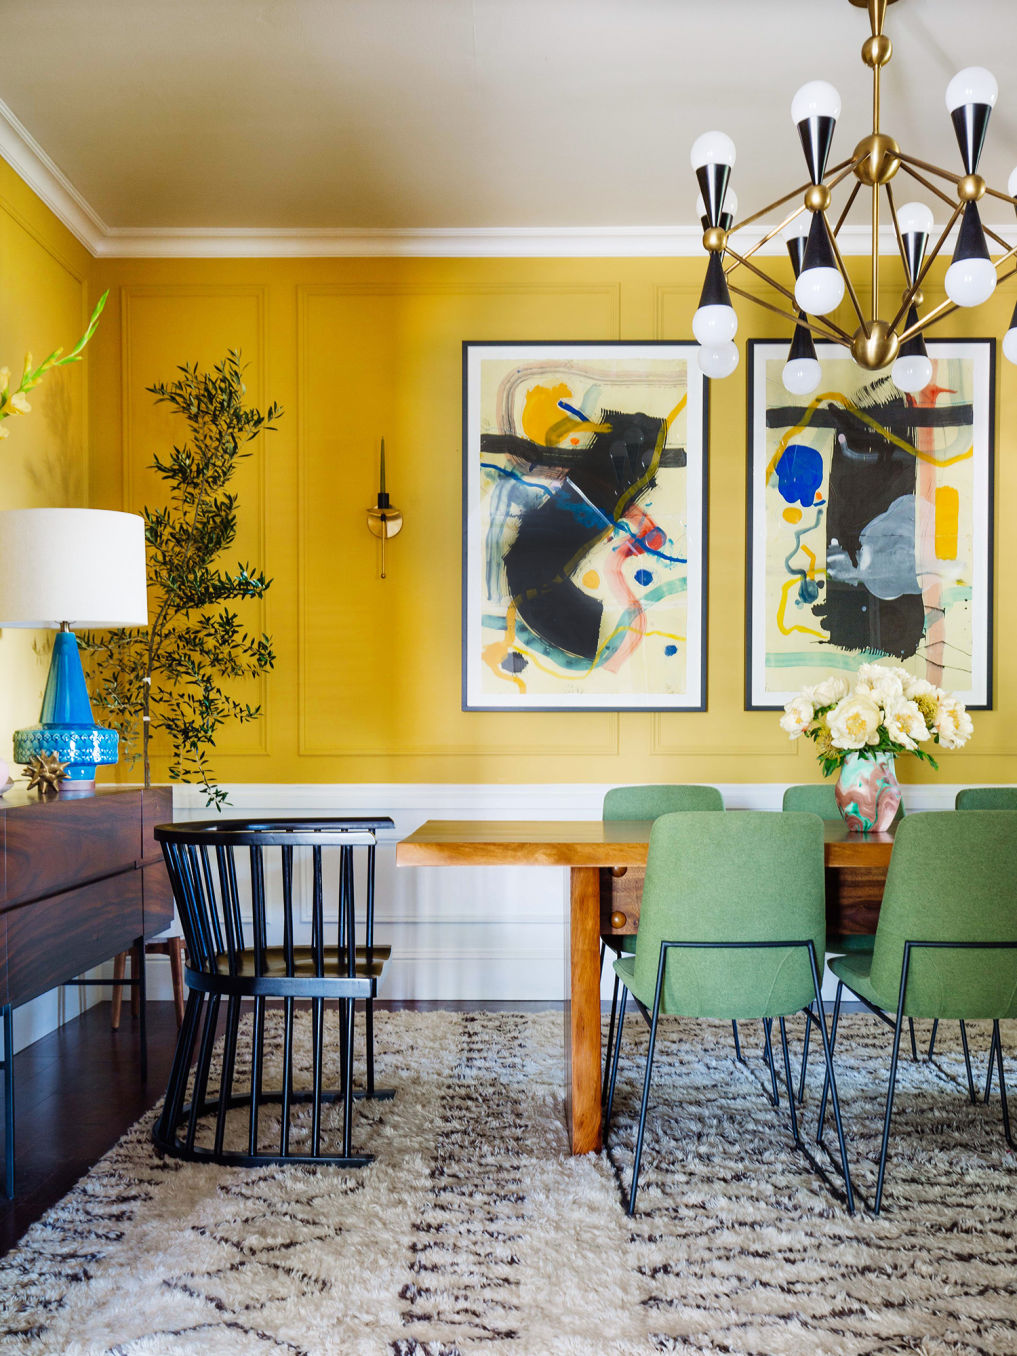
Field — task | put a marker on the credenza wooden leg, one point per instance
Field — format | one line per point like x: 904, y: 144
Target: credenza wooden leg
x: 175, y: 951
x: 8, y: 1066
x: 119, y: 966
x: 582, y: 1011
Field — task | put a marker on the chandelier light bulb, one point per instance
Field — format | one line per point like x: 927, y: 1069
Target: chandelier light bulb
x: 1010, y: 339
x: 912, y: 373
x: 818, y: 291
x: 816, y: 99
x: 801, y: 376
x: 718, y: 360
x: 969, y: 282
x: 972, y: 85
x: 798, y: 227
x: 715, y: 325
x: 712, y: 148
x: 915, y: 218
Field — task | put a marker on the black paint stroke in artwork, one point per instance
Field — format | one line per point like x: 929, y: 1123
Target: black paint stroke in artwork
x: 871, y: 493
x: 555, y: 536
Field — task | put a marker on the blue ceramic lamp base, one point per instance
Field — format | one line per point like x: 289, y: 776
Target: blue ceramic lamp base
x: 66, y: 726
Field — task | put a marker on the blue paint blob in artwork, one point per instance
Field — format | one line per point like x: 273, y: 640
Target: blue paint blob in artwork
x: 799, y: 474
x: 669, y: 650
x: 643, y: 577
x: 808, y: 591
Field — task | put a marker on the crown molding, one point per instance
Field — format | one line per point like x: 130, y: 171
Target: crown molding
x: 27, y: 158
x: 23, y: 153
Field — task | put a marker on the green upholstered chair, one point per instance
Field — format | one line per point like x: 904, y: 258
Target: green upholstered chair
x: 946, y: 941
x: 732, y: 926
x: 647, y: 802
x: 986, y: 798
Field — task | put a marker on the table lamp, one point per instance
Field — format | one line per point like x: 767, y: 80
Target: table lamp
x: 69, y: 567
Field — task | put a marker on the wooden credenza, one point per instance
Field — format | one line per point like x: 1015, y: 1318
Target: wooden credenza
x: 81, y: 879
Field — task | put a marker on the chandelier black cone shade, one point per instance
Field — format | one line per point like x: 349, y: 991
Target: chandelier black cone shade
x: 971, y: 243
x: 970, y: 122
x: 817, y: 138
x: 715, y: 289
x: 713, y: 181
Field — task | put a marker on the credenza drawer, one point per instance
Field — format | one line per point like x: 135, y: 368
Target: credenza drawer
x: 52, y: 845
x: 50, y: 940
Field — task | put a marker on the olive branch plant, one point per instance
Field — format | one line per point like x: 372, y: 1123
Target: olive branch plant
x: 174, y: 676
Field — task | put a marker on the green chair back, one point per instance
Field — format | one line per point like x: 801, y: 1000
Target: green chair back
x: 819, y: 798
x: 649, y: 802
x: 951, y: 878
x: 750, y: 876
x: 986, y: 798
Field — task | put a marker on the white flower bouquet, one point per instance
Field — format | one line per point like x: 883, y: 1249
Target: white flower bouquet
x: 886, y: 711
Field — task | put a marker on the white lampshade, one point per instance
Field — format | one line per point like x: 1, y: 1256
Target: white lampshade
x: 969, y: 282
x: 912, y: 372
x: 818, y: 291
x: 1010, y: 345
x: 713, y: 325
x: 81, y: 566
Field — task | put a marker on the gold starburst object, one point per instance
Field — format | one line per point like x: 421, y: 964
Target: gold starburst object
x: 45, y: 772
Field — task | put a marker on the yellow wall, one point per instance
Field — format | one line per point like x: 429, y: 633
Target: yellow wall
x: 45, y: 300
x: 367, y: 682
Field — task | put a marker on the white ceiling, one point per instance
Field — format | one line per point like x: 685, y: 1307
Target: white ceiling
x: 154, y: 118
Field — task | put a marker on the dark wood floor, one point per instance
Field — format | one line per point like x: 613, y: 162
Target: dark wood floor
x: 76, y: 1091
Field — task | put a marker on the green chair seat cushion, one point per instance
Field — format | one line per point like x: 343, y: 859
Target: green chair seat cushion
x: 849, y: 943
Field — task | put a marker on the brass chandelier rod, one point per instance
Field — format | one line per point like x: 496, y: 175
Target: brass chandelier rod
x: 832, y: 333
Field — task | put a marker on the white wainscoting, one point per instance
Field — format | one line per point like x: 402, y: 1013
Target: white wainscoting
x: 466, y: 932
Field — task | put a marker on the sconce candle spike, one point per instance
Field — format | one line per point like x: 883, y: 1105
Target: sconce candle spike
x: 383, y: 521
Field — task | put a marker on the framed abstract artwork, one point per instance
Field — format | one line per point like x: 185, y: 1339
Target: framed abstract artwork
x: 870, y: 523
x: 584, y: 543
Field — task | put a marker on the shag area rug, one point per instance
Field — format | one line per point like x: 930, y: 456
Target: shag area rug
x: 474, y: 1231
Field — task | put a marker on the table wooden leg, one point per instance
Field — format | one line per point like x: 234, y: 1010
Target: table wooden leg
x: 582, y: 1010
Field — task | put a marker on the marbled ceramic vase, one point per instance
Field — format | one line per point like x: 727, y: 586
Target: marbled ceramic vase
x: 867, y: 791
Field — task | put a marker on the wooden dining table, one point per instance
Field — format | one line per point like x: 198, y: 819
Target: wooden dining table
x: 606, y: 860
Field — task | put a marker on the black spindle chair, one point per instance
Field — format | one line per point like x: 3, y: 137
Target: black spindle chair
x: 244, y: 945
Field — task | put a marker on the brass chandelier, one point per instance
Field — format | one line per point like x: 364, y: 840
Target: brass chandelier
x: 821, y: 278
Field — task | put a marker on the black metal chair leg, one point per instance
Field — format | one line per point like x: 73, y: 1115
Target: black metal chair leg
x: 737, y: 1043
x: 992, y: 1056
x: 787, y: 1075
x: 176, y: 1088
x: 768, y: 1056
x: 200, y: 1090
x: 610, y: 1031
x: 348, y: 1016
x: 911, y: 1032
x: 805, y: 1054
x: 932, y: 1038
x: 8, y: 1012
x: 630, y: 1210
x: 829, y: 1081
x: 614, y: 1063
x: 833, y: 1042
x: 369, y: 1042
x: 898, y: 1025
x: 997, y: 1041
x: 972, y: 1097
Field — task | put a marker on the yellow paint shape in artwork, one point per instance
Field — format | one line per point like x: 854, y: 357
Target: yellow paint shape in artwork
x: 545, y: 422
x: 947, y: 518
x: 591, y: 579
x: 792, y: 515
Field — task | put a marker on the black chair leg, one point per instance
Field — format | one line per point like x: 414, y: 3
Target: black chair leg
x: 737, y: 1043
x: 932, y: 1038
x: 833, y: 1042
x: 805, y: 1054
x: 972, y: 1097
x: 768, y: 1057
x: 992, y: 1056
x: 610, y: 1027
x: 8, y: 1013
x: 889, y: 1112
x: 787, y: 1075
x: 829, y: 1082
x: 911, y: 1032
x: 348, y: 1015
x: 631, y: 1208
x: 998, y: 1043
x: 614, y: 1063
x: 176, y: 1088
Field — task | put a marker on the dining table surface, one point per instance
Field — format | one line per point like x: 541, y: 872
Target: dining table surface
x: 586, y: 848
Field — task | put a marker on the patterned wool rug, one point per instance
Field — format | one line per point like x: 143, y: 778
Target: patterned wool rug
x: 475, y: 1232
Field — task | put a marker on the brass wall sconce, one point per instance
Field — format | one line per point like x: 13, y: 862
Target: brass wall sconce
x: 384, y: 521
